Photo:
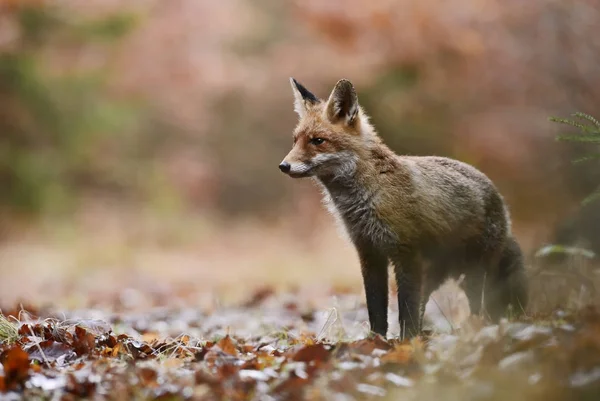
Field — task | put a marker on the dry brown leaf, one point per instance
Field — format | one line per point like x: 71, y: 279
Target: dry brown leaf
x: 368, y: 345
x: 148, y: 377
x: 83, y: 341
x: 310, y: 353
x: 15, y: 362
x: 117, y: 349
x: 227, y: 345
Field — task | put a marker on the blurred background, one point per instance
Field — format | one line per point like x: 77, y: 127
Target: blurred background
x: 139, y: 139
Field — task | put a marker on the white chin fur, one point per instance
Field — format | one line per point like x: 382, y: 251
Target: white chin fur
x: 299, y: 168
x: 342, y: 163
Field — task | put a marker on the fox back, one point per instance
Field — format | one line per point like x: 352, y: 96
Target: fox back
x: 432, y: 217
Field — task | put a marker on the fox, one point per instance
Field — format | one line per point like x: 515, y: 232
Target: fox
x: 430, y: 217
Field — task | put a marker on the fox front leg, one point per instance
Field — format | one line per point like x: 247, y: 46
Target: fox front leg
x: 409, y: 279
x: 374, y: 267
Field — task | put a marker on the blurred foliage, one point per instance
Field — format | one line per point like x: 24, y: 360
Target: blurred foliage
x: 433, y: 77
x: 247, y: 159
x: 63, y: 130
x: 582, y: 226
x: 407, y: 129
x: 589, y: 133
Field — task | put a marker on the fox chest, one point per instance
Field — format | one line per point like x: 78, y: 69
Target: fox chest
x: 356, y: 210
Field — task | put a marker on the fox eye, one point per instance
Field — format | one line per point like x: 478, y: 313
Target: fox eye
x: 317, y: 141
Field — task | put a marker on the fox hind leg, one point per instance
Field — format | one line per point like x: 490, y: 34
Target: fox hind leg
x: 510, y: 283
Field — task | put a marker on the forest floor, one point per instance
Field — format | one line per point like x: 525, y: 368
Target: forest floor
x: 283, y: 346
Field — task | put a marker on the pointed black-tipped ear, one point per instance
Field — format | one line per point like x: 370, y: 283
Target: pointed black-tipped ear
x: 302, y: 97
x: 343, y: 103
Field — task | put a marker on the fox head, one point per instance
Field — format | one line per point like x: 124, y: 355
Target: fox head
x: 330, y: 134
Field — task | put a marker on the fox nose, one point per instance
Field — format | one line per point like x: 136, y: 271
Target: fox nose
x: 285, y: 167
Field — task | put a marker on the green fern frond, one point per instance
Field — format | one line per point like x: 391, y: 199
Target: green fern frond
x: 590, y: 133
x: 566, y: 121
x: 595, y: 156
x: 591, y: 198
x: 587, y: 117
x: 589, y: 125
x: 580, y: 138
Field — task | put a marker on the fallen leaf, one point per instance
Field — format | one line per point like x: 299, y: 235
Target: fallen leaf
x: 83, y: 341
x: 227, y: 345
x: 309, y: 353
x: 148, y: 377
x: 368, y: 345
x: 117, y: 349
x: 15, y: 363
x: 107, y: 340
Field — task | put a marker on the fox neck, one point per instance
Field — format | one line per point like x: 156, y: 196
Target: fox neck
x: 352, y: 197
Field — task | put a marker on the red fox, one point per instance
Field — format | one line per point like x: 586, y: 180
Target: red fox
x: 431, y: 217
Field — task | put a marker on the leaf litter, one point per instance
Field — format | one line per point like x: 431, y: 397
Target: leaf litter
x: 270, y: 348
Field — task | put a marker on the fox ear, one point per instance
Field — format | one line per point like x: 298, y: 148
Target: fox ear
x: 342, y: 103
x: 302, y: 97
